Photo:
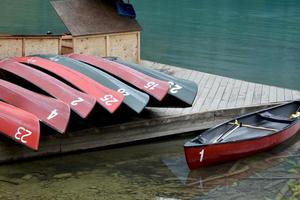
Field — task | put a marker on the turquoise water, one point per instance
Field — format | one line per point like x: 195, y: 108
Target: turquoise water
x: 255, y: 40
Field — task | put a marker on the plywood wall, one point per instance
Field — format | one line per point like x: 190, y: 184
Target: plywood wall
x: 123, y: 45
x: 22, y: 46
x: 10, y: 47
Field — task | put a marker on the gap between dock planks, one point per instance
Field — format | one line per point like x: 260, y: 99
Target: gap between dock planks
x: 217, y: 92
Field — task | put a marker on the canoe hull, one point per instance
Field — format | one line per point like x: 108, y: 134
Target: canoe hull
x: 185, y: 91
x: 19, y: 125
x: 79, y: 102
x: 201, y: 156
x: 133, y: 98
x: 107, y: 98
x: 50, y: 111
x: 154, y: 87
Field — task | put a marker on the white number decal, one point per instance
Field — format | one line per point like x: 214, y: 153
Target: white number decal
x: 78, y: 100
x: 174, y: 87
x: 109, y: 99
x: 22, y: 133
x: 31, y: 60
x: 53, y: 114
x: 123, y: 91
x: 54, y: 59
x: 151, y: 85
x: 201, y: 153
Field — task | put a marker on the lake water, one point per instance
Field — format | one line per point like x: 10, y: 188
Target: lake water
x: 150, y: 171
x: 254, y: 40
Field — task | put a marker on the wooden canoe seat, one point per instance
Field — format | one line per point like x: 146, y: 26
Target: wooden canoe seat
x: 275, y: 118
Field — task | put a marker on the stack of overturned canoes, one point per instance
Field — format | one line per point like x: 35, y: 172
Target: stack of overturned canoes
x: 77, y: 83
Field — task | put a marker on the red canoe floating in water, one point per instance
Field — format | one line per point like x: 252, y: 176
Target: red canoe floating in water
x: 244, y: 136
x: 19, y: 125
x: 154, y: 87
x: 52, y: 112
x: 80, y: 102
x: 109, y: 99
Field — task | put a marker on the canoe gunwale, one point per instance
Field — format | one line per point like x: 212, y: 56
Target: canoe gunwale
x: 190, y: 143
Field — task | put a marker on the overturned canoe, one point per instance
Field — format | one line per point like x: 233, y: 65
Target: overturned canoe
x: 107, y: 98
x: 154, y: 87
x: 19, y: 125
x: 181, y: 89
x: 133, y: 98
x: 244, y: 136
x: 80, y: 102
x: 50, y: 111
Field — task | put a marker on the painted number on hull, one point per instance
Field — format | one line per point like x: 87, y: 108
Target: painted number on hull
x: 109, y: 99
x: 22, y: 133
x: 123, y: 91
x: 151, y: 85
x: 77, y: 101
x: 53, y: 114
x: 174, y: 87
x: 201, y: 153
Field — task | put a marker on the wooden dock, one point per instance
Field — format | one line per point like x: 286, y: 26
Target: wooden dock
x: 219, y: 98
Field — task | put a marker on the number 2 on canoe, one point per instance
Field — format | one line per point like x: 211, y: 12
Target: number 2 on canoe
x: 109, y: 99
x: 201, y: 153
x: 174, y: 87
x: 22, y: 133
x: 77, y: 101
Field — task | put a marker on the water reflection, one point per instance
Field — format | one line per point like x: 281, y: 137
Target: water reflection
x: 150, y: 171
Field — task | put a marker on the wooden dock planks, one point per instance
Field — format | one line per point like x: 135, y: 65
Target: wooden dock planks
x: 217, y: 92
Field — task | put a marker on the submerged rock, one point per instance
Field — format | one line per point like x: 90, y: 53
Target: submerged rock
x: 27, y: 177
x: 64, y: 175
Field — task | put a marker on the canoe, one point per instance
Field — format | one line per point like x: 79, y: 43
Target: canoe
x: 19, y: 125
x: 154, y: 87
x: 184, y: 91
x: 79, y: 102
x: 50, y: 111
x: 107, y: 98
x: 133, y: 98
x: 244, y: 136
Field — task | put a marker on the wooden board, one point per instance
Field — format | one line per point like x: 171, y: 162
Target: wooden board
x: 123, y: 45
x: 10, y: 47
x: 95, y: 46
x: 21, y: 46
x: 41, y: 46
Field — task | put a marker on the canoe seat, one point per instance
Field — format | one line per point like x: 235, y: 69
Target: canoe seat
x: 275, y: 118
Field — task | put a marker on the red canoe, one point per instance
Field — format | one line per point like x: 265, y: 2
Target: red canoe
x: 19, y: 125
x: 109, y: 99
x: 154, y: 87
x: 80, y: 102
x: 52, y: 112
x: 244, y: 136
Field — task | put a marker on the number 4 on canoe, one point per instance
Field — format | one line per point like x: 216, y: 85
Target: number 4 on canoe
x: 52, y: 112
